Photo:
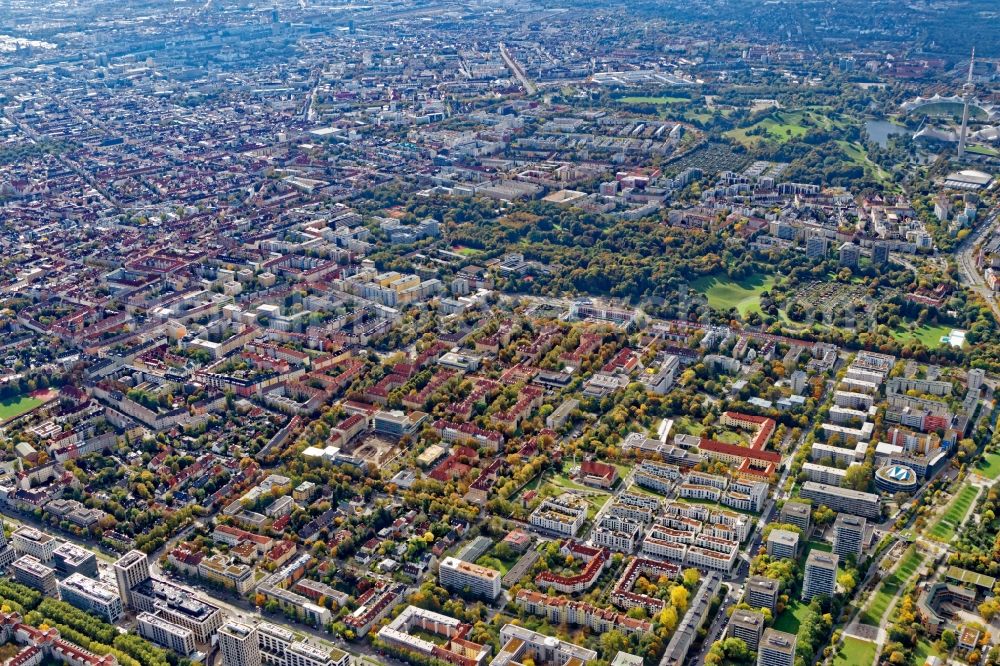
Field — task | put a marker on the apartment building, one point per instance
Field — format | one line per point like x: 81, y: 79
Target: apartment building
x: 236, y: 576
x: 618, y: 534
x: 844, y: 500
x: 560, y: 610
x: 820, y: 575
x: 452, y: 646
x: 831, y: 476
x: 94, y: 596
x: 563, y: 515
x: 783, y: 544
x: 849, y: 535
x: 776, y: 648
x: 455, y: 574
x: 708, y: 558
x: 594, y: 559
x: 374, y: 605
x: 746, y: 625
x: 762, y: 592
x: 656, y: 476
x: 520, y: 644
x: 798, y: 514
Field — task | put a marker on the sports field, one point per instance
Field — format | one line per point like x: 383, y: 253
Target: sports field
x: 14, y: 407
x: 724, y: 293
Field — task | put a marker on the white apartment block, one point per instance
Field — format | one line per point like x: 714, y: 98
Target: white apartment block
x: 698, y: 492
x: 278, y: 647
x: 619, y: 534
x: 820, y: 575
x: 853, y: 400
x: 560, y: 516
x: 656, y: 476
x: 838, y: 454
x: 456, y: 574
x: 833, y: 476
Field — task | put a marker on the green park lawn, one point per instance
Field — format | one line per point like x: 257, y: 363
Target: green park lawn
x: 791, y: 617
x: 732, y: 437
x: 595, y: 498
x: 923, y: 650
x: 890, y: 587
x: 821, y: 546
x: 984, y: 150
x: 928, y: 335
x: 944, y: 528
x: 989, y: 465
x: 685, y: 425
x: 855, y: 652
x: 664, y: 99
x: 14, y: 407
x: 724, y: 293
x: 782, y: 126
x: 857, y: 154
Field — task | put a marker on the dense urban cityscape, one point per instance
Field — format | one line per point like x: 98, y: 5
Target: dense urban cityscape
x: 499, y: 333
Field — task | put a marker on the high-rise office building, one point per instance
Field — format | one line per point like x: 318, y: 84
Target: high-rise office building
x: 38, y: 544
x: 28, y: 570
x: 131, y: 569
x: 91, y: 595
x: 239, y: 644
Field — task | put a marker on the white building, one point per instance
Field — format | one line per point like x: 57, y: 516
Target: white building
x: 239, y: 645
x: 94, y: 596
x: 459, y: 575
x: 167, y: 634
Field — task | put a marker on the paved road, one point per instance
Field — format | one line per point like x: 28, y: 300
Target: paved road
x: 513, y: 65
x: 969, y: 275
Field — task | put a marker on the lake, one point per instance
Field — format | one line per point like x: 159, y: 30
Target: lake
x: 879, y: 131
